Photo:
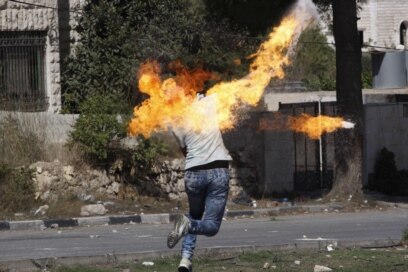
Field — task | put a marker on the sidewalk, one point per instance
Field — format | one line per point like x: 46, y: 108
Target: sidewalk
x: 165, y: 218
x: 160, y: 218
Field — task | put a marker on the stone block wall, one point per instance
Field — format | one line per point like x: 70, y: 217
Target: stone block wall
x: 381, y: 20
x: 42, y: 17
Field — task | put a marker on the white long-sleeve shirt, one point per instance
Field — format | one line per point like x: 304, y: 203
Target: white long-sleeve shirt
x: 206, y: 145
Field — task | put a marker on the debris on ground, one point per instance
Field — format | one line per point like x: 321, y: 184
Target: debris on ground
x: 321, y: 268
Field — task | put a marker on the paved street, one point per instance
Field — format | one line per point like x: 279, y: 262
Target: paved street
x: 372, y: 225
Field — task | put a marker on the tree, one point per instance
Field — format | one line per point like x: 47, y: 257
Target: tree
x: 348, y: 143
x: 256, y: 15
x: 118, y: 35
x: 314, y: 61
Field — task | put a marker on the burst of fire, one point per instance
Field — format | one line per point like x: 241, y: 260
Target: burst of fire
x: 315, y: 126
x: 171, y: 100
x: 268, y: 62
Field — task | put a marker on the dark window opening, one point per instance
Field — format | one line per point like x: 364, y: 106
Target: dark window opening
x: 22, y: 71
x: 403, y: 34
x: 361, y: 37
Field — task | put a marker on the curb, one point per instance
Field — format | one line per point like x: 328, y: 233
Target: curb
x: 44, y: 264
x: 161, y: 218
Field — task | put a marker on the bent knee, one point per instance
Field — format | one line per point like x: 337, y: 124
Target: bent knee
x: 213, y: 231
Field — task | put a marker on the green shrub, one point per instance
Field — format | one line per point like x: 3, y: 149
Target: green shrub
x: 147, y: 152
x: 117, y: 36
x: 101, y: 125
x: 98, y: 125
x: 366, y: 74
x: 16, y: 190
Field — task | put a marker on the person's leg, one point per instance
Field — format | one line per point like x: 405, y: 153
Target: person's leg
x: 195, y: 184
x: 215, y: 201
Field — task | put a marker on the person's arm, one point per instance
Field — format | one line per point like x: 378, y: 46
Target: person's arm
x: 184, y: 151
x: 180, y: 140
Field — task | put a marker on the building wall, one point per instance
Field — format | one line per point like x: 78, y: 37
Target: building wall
x: 59, y: 24
x: 381, y: 20
x: 385, y: 126
x: 48, y: 127
x: 21, y: 17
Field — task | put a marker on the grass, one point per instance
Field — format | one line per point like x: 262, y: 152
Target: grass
x: 405, y: 237
x: 18, y: 145
x: 346, y: 260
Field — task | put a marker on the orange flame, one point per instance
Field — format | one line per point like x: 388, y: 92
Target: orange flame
x: 315, y: 126
x: 171, y: 100
x: 268, y: 62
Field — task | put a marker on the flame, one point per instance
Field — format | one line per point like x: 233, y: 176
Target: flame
x: 171, y: 101
x: 268, y: 62
x: 315, y: 126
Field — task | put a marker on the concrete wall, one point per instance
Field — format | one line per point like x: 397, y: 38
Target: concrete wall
x: 385, y: 126
x: 245, y: 144
x: 49, y: 127
x: 263, y: 159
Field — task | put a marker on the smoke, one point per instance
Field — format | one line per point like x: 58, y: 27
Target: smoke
x: 306, y: 14
x: 305, y: 11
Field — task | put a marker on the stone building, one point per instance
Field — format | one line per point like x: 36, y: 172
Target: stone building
x: 384, y: 23
x: 34, y: 37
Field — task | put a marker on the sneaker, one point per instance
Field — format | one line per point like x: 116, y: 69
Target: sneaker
x: 185, y: 265
x: 181, y: 226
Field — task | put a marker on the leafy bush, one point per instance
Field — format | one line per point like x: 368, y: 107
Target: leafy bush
x: 16, y: 189
x: 101, y: 125
x: 116, y: 36
x: 98, y: 125
x: 147, y: 152
x: 366, y: 75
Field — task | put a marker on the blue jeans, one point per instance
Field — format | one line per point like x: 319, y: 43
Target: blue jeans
x: 207, y: 191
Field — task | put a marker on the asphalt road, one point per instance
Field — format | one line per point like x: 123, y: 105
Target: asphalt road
x: 120, y: 239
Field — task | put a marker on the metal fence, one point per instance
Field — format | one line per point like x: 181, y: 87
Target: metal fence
x: 22, y: 71
x: 313, y: 160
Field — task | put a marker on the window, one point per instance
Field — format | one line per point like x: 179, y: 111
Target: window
x: 22, y: 75
x: 361, y: 37
x: 403, y: 34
